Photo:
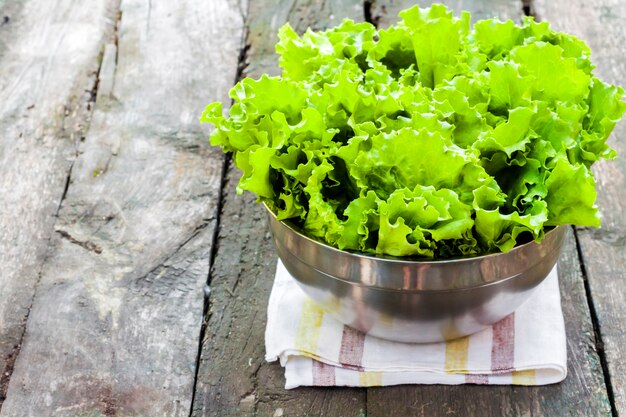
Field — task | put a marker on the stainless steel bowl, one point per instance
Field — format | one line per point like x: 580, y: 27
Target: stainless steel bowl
x: 415, y: 301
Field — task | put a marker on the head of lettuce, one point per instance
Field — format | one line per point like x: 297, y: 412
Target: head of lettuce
x: 433, y: 138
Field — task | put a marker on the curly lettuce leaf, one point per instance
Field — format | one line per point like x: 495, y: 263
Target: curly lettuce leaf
x: 437, y: 38
x: 430, y: 139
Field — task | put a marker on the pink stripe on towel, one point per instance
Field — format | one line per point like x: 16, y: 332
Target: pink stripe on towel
x: 323, y: 374
x: 479, y: 379
x: 503, y: 346
x: 351, y: 351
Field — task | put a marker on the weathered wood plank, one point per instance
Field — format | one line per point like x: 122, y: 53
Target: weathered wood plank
x: 48, y: 64
x: 582, y: 393
x: 601, y: 24
x: 234, y: 379
x: 115, y: 324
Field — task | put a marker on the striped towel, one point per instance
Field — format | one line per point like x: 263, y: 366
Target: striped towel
x: 525, y: 348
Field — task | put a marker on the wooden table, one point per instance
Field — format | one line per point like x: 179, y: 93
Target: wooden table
x: 117, y: 220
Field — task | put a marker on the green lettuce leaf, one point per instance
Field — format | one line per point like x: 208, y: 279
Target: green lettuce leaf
x: 431, y: 139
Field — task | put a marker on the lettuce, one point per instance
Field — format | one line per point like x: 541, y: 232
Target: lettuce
x: 430, y: 139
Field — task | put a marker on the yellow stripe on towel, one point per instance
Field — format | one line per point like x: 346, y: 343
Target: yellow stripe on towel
x: 309, y: 326
x: 456, y: 355
x: 370, y: 379
x: 523, y: 377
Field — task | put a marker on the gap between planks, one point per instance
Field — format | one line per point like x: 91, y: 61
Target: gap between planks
x: 597, y: 331
x: 529, y: 9
x: 241, y: 63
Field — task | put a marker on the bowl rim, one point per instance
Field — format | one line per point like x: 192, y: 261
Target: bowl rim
x: 397, y: 259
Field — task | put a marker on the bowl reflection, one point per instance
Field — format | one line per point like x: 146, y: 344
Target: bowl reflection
x: 411, y: 300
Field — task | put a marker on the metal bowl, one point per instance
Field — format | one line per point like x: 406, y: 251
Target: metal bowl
x: 410, y: 300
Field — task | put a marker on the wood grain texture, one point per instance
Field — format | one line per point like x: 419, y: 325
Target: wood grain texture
x: 234, y: 379
x: 601, y: 24
x: 583, y: 393
x: 48, y: 64
x: 115, y: 324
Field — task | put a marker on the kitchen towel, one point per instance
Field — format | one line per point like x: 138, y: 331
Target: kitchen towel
x: 526, y: 348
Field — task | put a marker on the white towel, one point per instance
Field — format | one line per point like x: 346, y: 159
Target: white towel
x: 526, y: 348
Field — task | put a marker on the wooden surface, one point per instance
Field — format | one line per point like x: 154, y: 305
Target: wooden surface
x: 116, y: 319
x: 115, y: 214
x: 44, y: 112
x: 603, y: 251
